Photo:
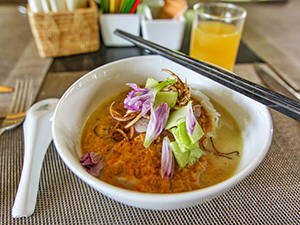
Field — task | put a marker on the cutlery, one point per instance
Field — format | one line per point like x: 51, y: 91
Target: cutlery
x: 4, y: 89
x: 20, y: 102
x: 37, y: 137
x: 275, y: 83
x: 276, y: 101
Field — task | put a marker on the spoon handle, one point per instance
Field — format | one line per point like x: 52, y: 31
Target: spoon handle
x: 37, y: 137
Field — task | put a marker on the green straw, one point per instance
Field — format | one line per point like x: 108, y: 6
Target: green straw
x: 127, y: 6
x: 122, y: 6
x: 105, y: 5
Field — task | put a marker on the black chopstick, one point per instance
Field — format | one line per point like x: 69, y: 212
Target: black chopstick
x: 276, y: 101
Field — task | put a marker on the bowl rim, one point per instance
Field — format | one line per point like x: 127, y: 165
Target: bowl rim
x: 206, y: 192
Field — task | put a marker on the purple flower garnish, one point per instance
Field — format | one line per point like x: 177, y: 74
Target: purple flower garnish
x: 142, y: 99
x: 93, y: 163
x: 158, y: 120
x: 190, y: 119
x: 167, y: 160
x: 139, y: 99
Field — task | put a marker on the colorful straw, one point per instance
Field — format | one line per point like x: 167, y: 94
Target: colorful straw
x: 135, y: 5
x: 119, y: 6
x: 112, y: 6
x: 105, y: 6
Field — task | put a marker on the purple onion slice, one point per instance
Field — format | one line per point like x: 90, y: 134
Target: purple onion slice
x: 93, y: 163
x: 167, y: 160
x: 190, y: 119
x: 139, y: 99
x: 158, y: 120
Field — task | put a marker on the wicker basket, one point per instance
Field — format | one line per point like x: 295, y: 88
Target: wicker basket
x: 66, y: 33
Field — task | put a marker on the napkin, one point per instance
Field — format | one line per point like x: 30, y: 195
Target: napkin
x: 57, y: 5
x: 35, y: 5
x: 74, y: 4
x: 46, y: 6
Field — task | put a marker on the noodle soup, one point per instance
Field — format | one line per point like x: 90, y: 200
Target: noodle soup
x: 127, y: 163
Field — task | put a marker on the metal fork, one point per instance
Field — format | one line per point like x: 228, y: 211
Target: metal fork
x: 21, y: 101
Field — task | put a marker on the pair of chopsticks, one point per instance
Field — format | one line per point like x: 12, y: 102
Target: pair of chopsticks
x: 276, y: 101
x: 119, y: 6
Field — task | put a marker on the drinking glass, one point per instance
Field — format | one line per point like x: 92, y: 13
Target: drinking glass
x: 216, y: 33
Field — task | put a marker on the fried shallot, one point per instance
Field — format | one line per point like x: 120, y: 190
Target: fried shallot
x: 119, y: 117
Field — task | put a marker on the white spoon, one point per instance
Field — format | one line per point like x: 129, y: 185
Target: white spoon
x: 37, y: 137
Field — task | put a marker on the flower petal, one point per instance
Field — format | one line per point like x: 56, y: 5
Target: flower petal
x: 96, y: 169
x: 167, y: 160
x: 158, y: 120
x: 190, y: 119
x: 93, y: 163
x: 139, y: 99
x: 136, y: 88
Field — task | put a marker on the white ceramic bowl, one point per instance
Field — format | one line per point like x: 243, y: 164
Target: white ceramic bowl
x: 86, y: 94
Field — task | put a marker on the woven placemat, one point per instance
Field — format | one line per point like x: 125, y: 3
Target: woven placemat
x: 270, y: 195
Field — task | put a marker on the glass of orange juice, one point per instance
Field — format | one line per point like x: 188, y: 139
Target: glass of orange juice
x: 216, y: 33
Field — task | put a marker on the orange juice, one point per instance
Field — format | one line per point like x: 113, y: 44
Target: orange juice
x: 215, y: 42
